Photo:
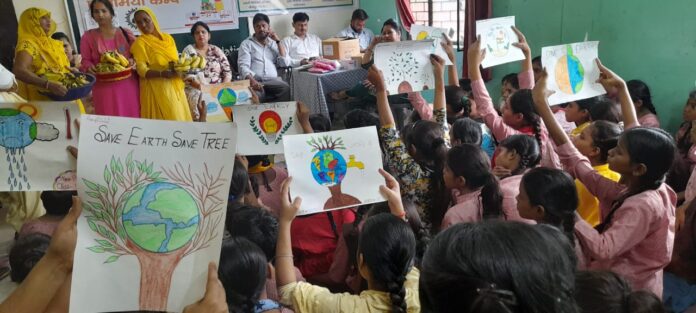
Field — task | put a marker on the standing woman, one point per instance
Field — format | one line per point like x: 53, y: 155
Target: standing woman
x: 117, y: 98
x: 217, y: 69
x: 37, y: 53
x: 161, y: 88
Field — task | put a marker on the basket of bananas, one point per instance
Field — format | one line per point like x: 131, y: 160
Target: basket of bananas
x: 189, y: 64
x: 79, y: 85
x: 112, y: 67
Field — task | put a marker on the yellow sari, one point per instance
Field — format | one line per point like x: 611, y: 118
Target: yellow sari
x: 160, y: 98
x: 47, y: 53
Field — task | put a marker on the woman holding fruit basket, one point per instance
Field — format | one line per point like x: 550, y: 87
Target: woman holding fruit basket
x: 161, y: 86
x: 117, y: 95
x: 38, y: 56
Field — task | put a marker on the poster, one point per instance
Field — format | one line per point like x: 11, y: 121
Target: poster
x: 220, y: 98
x: 262, y: 127
x: 151, y: 222
x: 406, y: 65
x: 334, y: 170
x: 251, y: 7
x: 34, y: 138
x: 497, y: 38
x: 174, y: 16
x: 572, y: 71
x: 421, y: 32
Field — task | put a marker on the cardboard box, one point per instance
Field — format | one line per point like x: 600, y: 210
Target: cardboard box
x: 339, y: 48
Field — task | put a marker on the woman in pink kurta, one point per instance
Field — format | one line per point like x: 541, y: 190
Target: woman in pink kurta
x: 117, y: 98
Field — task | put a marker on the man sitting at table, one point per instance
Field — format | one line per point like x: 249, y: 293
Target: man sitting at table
x: 301, y: 47
x: 258, y: 56
x: 358, y: 30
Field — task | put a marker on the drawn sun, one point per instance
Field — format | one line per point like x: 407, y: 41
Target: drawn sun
x: 129, y: 18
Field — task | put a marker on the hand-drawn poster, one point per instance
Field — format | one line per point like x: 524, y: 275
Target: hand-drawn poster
x: 334, y: 170
x: 262, y: 127
x: 572, y: 71
x: 497, y: 38
x: 421, y: 32
x: 406, y: 65
x: 154, y: 197
x: 35, y: 137
x: 220, y: 98
x: 174, y: 16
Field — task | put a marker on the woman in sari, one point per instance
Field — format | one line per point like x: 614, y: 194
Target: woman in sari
x: 117, y: 98
x: 37, y: 53
x: 161, y: 88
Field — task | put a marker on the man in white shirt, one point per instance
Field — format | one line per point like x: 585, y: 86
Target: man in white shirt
x: 301, y: 47
x: 358, y: 30
x: 258, y: 57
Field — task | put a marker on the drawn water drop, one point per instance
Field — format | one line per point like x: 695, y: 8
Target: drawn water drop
x: 28, y: 185
x: 25, y: 168
x: 8, y: 157
x: 20, y: 186
x: 9, y: 180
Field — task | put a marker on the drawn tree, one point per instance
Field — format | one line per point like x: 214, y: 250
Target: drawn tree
x: 160, y: 217
x: 402, y: 69
x: 329, y: 168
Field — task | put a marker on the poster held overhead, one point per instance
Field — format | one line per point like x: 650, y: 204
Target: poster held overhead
x: 406, y: 65
x: 572, y: 71
x: 154, y: 197
x: 497, y: 38
x: 334, y: 170
x: 35, y: 137
x: 262, y: 127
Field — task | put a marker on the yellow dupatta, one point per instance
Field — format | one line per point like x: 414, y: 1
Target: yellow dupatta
x: 158, y: 42
x: 31, y: 37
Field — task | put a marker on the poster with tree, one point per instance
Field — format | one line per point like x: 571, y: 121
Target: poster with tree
x: 151, y: 222
x: 334, y: 170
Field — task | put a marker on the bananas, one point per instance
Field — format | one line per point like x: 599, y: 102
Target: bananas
x: 187, y: 63
x: 112, y: 62
x: 69, y: 80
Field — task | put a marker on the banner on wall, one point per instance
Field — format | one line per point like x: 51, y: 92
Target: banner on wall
x: 251, y: 7
x: 174, y: 16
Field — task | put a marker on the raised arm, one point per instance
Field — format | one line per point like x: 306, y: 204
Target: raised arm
x: 541, y: 95
x: 438, y: 71
x: 392, y: 192
x: 452, y: 76
x: 285, y: 267
x: 526, y: 75
x: 374, y: 76
x: 611, y: 81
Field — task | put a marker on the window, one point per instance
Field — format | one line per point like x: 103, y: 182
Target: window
x: 440, y: 13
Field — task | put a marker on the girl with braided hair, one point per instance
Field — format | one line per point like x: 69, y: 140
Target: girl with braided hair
x: 518, y: 115
x: 636, y: 236
x: 548, y: 196
x: 517, y: 154
x: 386, y: 252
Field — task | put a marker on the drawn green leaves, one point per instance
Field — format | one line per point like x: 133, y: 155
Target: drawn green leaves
x: 257, y: 131
x: 402, y: 65
x: 285, y: 129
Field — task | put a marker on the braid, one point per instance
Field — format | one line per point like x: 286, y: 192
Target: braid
x: 534, y: 120
x: 240, y: 304
x: 397, y: 294
x: 569, y: 227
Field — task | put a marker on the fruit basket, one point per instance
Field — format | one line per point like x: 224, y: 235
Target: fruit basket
x: 115, y: 76
x: 76, y: 92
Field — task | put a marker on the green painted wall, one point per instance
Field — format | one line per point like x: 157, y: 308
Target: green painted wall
x: 379, y: 11
x: 639, y: 39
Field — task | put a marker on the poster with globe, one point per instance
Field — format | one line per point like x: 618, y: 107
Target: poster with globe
x: 220, y: 98
x: 334, y: 170
x: 154, y: 197
x: 262, y: 127
x: 35, y: 137
x: 572, y: 71
x: 497, y: 38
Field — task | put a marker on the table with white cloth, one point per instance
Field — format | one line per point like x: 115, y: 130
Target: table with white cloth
x: 312, y: 88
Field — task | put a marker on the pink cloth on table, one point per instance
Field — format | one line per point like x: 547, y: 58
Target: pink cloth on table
x: 649, y: 120
x: 500, y: 130
x: 638, y: 241
x: 510, y: 188
x: 467, y: 209
x: 119, y: 98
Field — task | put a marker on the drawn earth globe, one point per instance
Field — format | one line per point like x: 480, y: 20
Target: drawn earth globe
x: 227, y: 97
x: 160, y: 217
x: 18, y: 129
x: 328, y: 167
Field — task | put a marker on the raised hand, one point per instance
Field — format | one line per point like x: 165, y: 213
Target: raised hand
x: 438, y: 65
x: 214, y: 300
x: 522, y: 42
x: 475, y: 55
x: 608, y: 78
x: 392, y: 192
x: 375, y: 77
x: 62, y: 247
x: 540, y: 93
x: 290, y: 209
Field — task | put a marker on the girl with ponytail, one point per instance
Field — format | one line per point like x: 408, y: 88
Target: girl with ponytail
x: 517, y: 154
x: 385, y: 256
x: 636, y: 235
x: 607, y: 292
x: 475, y: 190
x: 243, y: 272
x: 548, y: 196
x: 518, y: 115
x: 417, y: 154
